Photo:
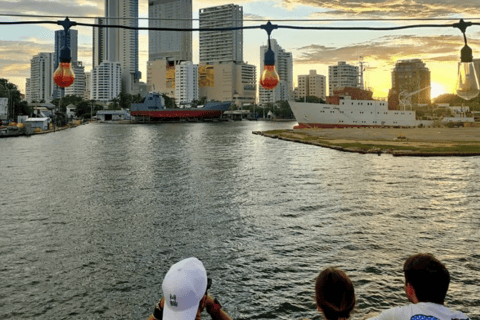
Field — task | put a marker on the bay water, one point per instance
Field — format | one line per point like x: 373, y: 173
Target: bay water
x: 91, y: 218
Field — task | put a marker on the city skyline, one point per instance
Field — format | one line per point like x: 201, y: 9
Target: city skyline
x: 439, y: 48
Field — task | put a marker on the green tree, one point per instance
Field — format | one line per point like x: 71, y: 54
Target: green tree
x: 169, y: 102
x: 283, y: 110
x: 15, y: 105
x: 67, y: 100
x: 310, y: 99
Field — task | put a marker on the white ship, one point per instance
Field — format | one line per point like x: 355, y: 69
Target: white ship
x: 347, y: 112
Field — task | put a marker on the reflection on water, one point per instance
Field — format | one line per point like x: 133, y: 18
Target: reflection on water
x: 92, y: 218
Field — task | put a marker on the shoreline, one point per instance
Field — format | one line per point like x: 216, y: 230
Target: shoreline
x: 399, y: 142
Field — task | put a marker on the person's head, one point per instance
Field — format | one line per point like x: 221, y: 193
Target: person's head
x: 184, y: 288
x: 428, y: 277
x: 334, y: 294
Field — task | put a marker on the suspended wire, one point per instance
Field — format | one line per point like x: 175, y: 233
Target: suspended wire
x: 241, y: 27
x: 245, y: 20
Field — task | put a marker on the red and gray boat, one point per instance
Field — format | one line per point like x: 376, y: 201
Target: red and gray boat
x: 153, y: 109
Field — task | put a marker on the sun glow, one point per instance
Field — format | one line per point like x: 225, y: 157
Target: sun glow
x: 437, y: 89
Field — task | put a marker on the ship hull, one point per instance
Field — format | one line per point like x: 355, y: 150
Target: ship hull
x: 350, y: 114
x: 178, y: 114
x: 153, y: 109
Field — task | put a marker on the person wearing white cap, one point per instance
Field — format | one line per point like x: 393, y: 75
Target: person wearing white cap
x: 185, y: 294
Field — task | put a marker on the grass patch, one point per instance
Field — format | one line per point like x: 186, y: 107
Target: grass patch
x: 366, y: 147
x: 456, y: 149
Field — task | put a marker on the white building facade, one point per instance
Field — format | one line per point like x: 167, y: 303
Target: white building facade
x: 186, y: 80
x: 221, y: 46
x: 172, y: 46
x: 284, y: 67
x: 78, y: 86
x: 41, y: 77
x: 106, y: 81
x: 311, y: 84
x: 343, y: 75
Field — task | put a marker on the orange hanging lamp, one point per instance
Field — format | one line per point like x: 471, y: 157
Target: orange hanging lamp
x: 64, y: 75
x: 269, y: 78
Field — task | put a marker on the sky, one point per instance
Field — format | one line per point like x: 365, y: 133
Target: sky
x: 438, y: 47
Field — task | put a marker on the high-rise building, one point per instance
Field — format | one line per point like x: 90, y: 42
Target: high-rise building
x: 78, y: 86
x: 234, y: 82
x: 161, y: 77
x: 409, y: 76
x: 221, y: 46
x: 41, y: 77
x: 28, y: 94
x: 169, y: 45
x: 71, y: 41
x: 99, y: 43
x: 312, y: 85
x: 122, y: 44
x: 284, y: 67
x: 343, y: 75
x: 186, y: 79
x: 106, y: 81
x: 88, y: 86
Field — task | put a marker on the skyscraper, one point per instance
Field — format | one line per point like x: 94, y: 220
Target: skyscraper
x: 122, y: 44
x: 284, y: 67
x: 343, y: 75
x: 41, y: 77
x: 170, y: 45
x: 71, y: 42
x: 99, y: 43
x: 221, y: 46
x: 410, y: 76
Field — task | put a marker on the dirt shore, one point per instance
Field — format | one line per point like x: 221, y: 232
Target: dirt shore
x: 462, y: 141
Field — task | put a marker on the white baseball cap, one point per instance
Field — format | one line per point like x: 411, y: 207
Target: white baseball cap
x: 183, y: 288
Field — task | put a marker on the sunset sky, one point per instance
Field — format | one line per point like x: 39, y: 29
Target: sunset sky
x: 439, y: 48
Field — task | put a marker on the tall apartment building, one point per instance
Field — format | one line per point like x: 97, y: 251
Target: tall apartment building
x: 343, y: 75
x: 231, y: 81
x: 99, y: 43
x: 106, y: 81
x: 169, y: 45
x: 221, y: 46
x: 41, y: 77
x: 186, y: 80
x: 28, y: 94
x: 78, y: 86
x: 284, y: 67
x: 410, y: 76
x: 88, y: 86
x: 122, y: 44
x: 312, y: 85
x: 161, y: 77
x: 71, y: 41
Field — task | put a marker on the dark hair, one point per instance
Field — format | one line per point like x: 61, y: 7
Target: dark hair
x: 428, y: 277
x: 334, y: 294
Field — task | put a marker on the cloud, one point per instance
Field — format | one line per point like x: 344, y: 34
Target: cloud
x: 54, y: 7
x: 390, y: 8
x: 387, y: 49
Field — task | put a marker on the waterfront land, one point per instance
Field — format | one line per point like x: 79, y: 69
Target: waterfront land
x: 461, y: 141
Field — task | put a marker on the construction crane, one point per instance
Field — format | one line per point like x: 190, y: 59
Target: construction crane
x: 405, y: 98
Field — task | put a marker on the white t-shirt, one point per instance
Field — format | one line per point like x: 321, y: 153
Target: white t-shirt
x: 421, y: 311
